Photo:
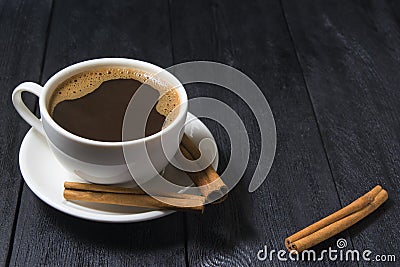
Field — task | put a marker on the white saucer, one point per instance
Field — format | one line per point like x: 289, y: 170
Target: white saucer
x: 45, y: 177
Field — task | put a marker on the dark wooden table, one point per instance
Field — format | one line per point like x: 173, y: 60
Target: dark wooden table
x: 329, y: 69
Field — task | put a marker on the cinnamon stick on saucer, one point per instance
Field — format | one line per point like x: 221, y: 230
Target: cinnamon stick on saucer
x: 124, y: 190
x: 132, y: 197
x: 209, y: 182
x: 338, y: 221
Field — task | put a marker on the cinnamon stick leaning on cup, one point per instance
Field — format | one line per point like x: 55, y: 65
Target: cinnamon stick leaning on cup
x: 337, y: 222
x: 209, y: 182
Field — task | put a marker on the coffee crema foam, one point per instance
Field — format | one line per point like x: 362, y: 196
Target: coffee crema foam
x: 87, y: 82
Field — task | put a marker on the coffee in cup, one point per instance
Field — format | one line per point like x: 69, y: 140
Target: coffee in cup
x: 92, y: 104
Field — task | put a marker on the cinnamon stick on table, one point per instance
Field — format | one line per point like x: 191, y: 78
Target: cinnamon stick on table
x: 209, y: 182
x: 132, y: 197
x: 338, y: 221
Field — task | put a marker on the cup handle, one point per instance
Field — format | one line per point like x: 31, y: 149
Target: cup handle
x: 22, y: 109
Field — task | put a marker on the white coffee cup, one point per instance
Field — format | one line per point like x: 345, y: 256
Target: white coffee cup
x: 98, y: 161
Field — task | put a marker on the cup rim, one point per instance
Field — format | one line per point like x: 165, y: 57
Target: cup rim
x: 76, y: 68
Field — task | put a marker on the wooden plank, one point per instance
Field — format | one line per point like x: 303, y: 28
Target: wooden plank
x: 253, y: 37
x: 349, y: 52
x: 81, y: 30
x: 22, y: 40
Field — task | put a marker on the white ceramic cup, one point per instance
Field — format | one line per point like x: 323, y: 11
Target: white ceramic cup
x: 98, y: 161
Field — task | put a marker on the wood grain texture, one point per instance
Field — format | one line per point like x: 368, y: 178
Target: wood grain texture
x: 22, y: 40
x: 350, y: 56
x: 253, y: 37
x: 82, y: 30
